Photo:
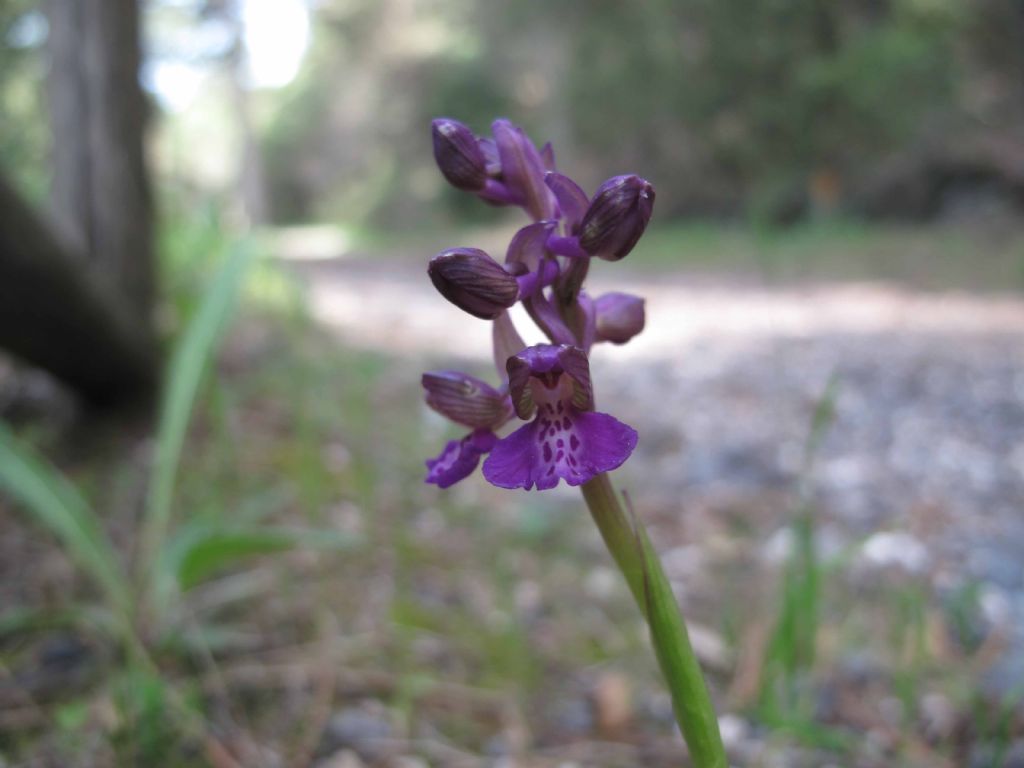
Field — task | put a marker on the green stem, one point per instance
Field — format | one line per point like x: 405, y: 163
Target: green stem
x: 627, y: 541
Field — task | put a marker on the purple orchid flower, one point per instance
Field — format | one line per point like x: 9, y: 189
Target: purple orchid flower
x: 545, y: 267
x: 548, y: 385
x: 567, y: 439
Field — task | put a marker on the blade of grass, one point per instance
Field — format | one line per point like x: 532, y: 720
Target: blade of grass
x: 794, y: 639
x: 53, y: 502
x: 199, y: 551
x: 22, y: 620
x: 189, y: 362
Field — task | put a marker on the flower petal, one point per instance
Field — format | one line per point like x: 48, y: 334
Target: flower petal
x: 536, y: 374
x: 522, y: 169
x: 511, y: 462
x: 606, y: 441
x: 459, y: 458
x: 547, y: 155
x: 569, y: 445
x: 572, y: 201
x: 540, y: 358
x: 577, y: 367
x: 527, y: 246
x: 466, y: 399
x: 619, y: 317
x: 506, y: 342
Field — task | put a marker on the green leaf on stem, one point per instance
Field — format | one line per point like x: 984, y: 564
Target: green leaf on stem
x: 690, y: 700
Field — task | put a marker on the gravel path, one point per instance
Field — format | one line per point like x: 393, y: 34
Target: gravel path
x: 924, y: 462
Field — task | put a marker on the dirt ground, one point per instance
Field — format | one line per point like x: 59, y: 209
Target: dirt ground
x: 920, y: 477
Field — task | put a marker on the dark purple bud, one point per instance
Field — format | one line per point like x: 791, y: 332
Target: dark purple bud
x: 466, y: 399
x: 617, y: 216
x: 458, y: 154
x: 473, y: 281
x: 620, y: 317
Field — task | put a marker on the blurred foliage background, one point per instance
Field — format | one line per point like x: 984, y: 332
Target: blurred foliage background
x: 778, y: 111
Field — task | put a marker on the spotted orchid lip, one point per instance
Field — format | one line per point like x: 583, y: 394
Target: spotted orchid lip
x: 561, y: 443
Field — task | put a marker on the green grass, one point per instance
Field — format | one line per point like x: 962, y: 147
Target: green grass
x: 929, y: 256
x: 933, y: 257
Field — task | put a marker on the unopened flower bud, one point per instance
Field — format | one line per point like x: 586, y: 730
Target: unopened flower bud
x: 466, y: 399
x: 620, y: 317
x: 617, y: 216
x: 458, y: 154
x: 474, y: 282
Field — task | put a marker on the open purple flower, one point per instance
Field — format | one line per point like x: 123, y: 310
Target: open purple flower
x: 473, y: 403
x: 567, y: 439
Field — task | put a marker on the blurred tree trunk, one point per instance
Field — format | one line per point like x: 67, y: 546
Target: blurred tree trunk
x: 76, y: 298
x: 63, y: 318
x: 101, y: 194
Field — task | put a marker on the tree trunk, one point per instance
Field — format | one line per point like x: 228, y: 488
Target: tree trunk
x: 77, y: 299
x: 63, y: 318
x: 101, y: 195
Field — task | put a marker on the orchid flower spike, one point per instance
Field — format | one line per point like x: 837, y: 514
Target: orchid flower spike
x: 545, y: 267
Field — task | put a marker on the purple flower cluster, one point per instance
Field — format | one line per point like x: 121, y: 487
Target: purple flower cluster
x: 545, y: 266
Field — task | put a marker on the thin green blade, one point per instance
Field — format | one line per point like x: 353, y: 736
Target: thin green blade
x: 201, y: 551
x: 189, y: 362
x: 55, y: 504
